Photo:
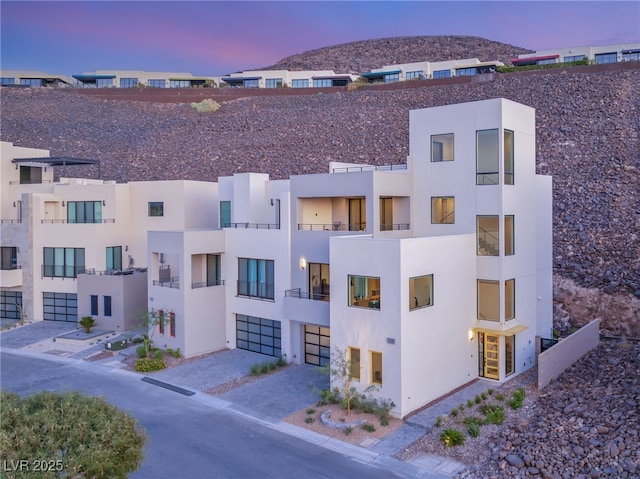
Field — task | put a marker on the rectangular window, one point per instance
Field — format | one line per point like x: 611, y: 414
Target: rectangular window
x: 94, y: 305
x: 114, y: 258
x: 420, y: 292
x: 8, y: 257
x: 442, y: 74
x: 466, y: 72
x: 179, y: 83
x: 386, y: 214
x: 251, y: 83
x: 509, y: 299
x: 31, y: 81
x: 606, y: 57
x: 8, y: 81
x: 84, y: 211
x: 509, y: 235
x: 354, y: 363
x: 225, y: 214
x: 487, y: 235
x: 442, y: 147
x: 10, y: 304
x: 273, y: 83
x: 128, y: 82
x: 107, y: 305
x: 214, y: 277
x: 487, y: 157
x: 324, y: 82
x: 357, y: 214
x: 156, y: 208
x: 30, y: 175
x: 414, y: 75
x: 161, y: 321
x: 319, y: 281
x: 63, y: 262
x: 364, y: 291
x: 508, y: 157
x: 376, y: 368
x: 300, y: 83
x: 392, y: 78
x: 256, y: 278
x: 104, y: 82
x: 60, y: 306
x: 157, y: 83
x: 573, y: 58
x: 488, y: 300
x: 509, y: 355
x: 172, y: 324
x: 630, y: 55
x: 443, y: 210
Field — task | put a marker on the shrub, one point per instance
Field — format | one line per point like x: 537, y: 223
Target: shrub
x: 137, y: 340
x: 170, y: 351
x: 451, y: 437
x: 490, y: 391
x: 473, y: 429
x: 87, y: 322
x: 478, y: 399
x: 177, y: 354
x: 483, y: 396
x: 327, y: 396
x: 280, y: 362
x: 348, y: 430
x: 205, y: 106
x: 494, y: 414
x: 310, y: 411
x: 309, y: 420
x: 87, y: 435
x: 272, y: 366
x: 518, y: 399
x: 368, y: 427
x: 158, y: 354
x: 439, y: 421
x: 264, y: 368
x: 469, y: 404
x: 141, y: 352
x: 149, y: 365
x: 500, y: 397
x: 454, y: 412
x: 254, y: 370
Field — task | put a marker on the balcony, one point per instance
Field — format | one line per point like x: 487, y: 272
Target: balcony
x: 172, y: 282
x: 11, y: 277
x: 353, y: 169
x: 395, y: 227
x: 61, y: 271
x: 77, y: 222
x: 207, y: 284
x: 257, y: 226
x: 335, y: 226
x: 307, y: 307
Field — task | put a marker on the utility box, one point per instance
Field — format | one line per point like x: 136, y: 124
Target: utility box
x: 116, y: 345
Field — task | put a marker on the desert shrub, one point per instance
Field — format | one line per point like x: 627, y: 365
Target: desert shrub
x: 177, y: 353
x: 157, y: 354
x: 439, y: 421
x: 264, y: 368
x: 141, y: 352
x: 149, y: 365
x: 87, y: 435
x: 472, y: 420
x: 327, y: 396
x: 477, y: 399
x: 454, y: 412
x: 499, y: 397
x: 368, y: 427
x: 310, y: 411
x: 272, y: 366
x: 451, y: 437
x: 494, y: 414
x: 473, y: 429
x: 490, y: 391
x: 483, y: 396
x: 254, y: 370
x: 309, y: 420
x: 170, y: 351
x: 280, y: 362
x: 469, y: 404
x: 348, y: 430
x: 205, y: 106
x: 517, y: 399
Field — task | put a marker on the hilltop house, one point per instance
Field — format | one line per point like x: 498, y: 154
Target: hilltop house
x: 429, y: 273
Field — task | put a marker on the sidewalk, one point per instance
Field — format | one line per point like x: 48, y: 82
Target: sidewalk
x: 267, y: 400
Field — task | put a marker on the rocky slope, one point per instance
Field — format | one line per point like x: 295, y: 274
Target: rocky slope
x: 362, y: 56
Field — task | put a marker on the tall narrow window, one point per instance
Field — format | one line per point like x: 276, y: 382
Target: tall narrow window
x: 509, y: 235
x: 386, y: 214
x: 488, y: 300
x: 443, y: 210
x: 114, y: 258
x: 8, y: 257
x: 354, y: 363
x: 509, y: 299
x: 420, y: 292
x: 487, y: 157
x: 172, y: 324
x: 376, y: 368
x: 94, y: 305
x: 225, y: 214
x: 319, y: 281
x: 442, y: 147
x: 487, y: 236
x: 161, y: 321
x: 107, y: 306
x: 508, y: 157
x: 357, y: 214
x: 509, y: 355
x: 213, y: 270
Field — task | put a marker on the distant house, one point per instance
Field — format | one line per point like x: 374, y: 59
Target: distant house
x: 593, y: 54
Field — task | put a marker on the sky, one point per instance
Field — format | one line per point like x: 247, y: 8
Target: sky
x: 220, y: 37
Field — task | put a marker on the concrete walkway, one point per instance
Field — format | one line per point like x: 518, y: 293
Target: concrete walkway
x: 267, y: 399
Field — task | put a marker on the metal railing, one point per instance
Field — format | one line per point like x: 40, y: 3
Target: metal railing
x: 487, y: 178
x: 174, y: 283
x: 206, y: 284
x: 336, y: 226
x: 16, y: 221
x: 257, y: 226
x: 255, y: 289
x: 394, y: 227
x: 114, y: 272
x: 10, y: 267
x: 19, y: 182
x: 61, y: 271
x: 76, y: 222
x: 298, y: 293
x: 351, y: 169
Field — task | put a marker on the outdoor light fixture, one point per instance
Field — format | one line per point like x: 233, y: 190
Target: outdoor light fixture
x: 303, y: 263
x: 104, y: 203
x: 63, y: 203
x: 471, y: 335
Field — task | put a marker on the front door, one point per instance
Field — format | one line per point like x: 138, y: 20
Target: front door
x: 491, y: 356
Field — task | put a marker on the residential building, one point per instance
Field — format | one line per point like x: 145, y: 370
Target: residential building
x: 286, y: 78
x: 427, y: 70
x: 27, y: 78
x: 427, y: 274
x: 623, y: 52
x: 139, y: 78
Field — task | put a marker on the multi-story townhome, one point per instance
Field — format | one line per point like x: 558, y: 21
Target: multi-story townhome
x: 29, y: 78
x: 594, y: 54
x: 427, y: 274
x: 286, y: 78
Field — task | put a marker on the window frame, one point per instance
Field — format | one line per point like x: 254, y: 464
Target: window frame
x: 113, y: 260
x: 451, y: 214
x: 107, y: 306
x: 155, y: 208
x: 495, y: 286
x: 64, y: 262
x: 509, y: 355
x: 414, y: 303
x: 262, y: 271
x: 438, y: 155
x: 509, y: 299
x: 93, y: 305
x: 172, y: 324
x: 366, y: 283
x: 508, y: 173
x: 509, y: 223
x: 373, y: 378
x: 487, y: 232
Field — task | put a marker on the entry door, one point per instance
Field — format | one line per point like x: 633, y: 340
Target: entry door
x: 491, y: 356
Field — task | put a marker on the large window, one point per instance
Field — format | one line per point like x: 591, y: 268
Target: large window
x: 10, y: 304
x: 157, y: 83
x: 488, y: 300
x: 179, y: 83
x: 364, y: 291
x: 606, y: 57
x: 300, y: 83
x: 30, y: 175
x: 273, y: 83
x: 156, y: 208
x: 573, y: 58
x: 253, y: 83
x: 258, y: 334
x: 392, y: 77
x: 7, y: 81
x: 630, y: 55
x: 376, y: 368
x: 508, y: 157
x: 443, y: 210
x: 487, y: 235
x: 63, y: 262
x: 386, y: 214
x: 357, y: 214
x: 442, y: 147
x: 8, y: 257
x: 128, y: 82
x: 420, y: 292
x: 31, y: 81
x: 107, y: 306
x: 509, y: 299
x: 60, y: 306
x: 354, y: 363
x: 418, y: 75
x: 509, y: 235
x: 442, y: 74
x: 114, y: 258
x: 487, y: 157
x: 255, y: 278
x: 93, y: 302
x: 84, y: 212
x: 319, y: 281
x: 225, y: 214
x: 322, y: 82
x: 466, y: 72
x: 509, y: 355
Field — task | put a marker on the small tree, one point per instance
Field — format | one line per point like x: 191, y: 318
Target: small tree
x: 339, y: 368
x: 87, y: 322
x: 152, y: 320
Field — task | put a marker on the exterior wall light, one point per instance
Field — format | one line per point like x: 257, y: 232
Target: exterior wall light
x: 303, y: 263
x: 471, y: 335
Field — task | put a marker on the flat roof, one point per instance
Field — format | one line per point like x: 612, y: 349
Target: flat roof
x: 57, y: 161
x: 635, y: 50
x: 237, y: 79
x: 533, y: 59
x: 376, y: 74
x: 332, y: 77
x: 93, y: 77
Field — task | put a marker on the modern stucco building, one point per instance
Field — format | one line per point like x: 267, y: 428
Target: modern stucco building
x: 429, y: 273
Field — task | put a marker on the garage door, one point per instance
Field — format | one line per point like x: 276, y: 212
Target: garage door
x: 60, y: 307
x: 259, y: 335
x: 316, y: 345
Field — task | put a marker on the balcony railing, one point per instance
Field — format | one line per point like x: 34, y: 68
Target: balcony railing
x: 76, y: 222
x: 394, y: 227
x: 9, y: 267
x: 19, y: 182
x: 255, y: 289
x: 206, y: 284
x: 351, y: 169
x: 335, y: 226
x: 298, y: 293
x: 174, y: 283
x: 257, y: 226
x: 60, y: 271
x: 15, y: 221
x: 114, y: 272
